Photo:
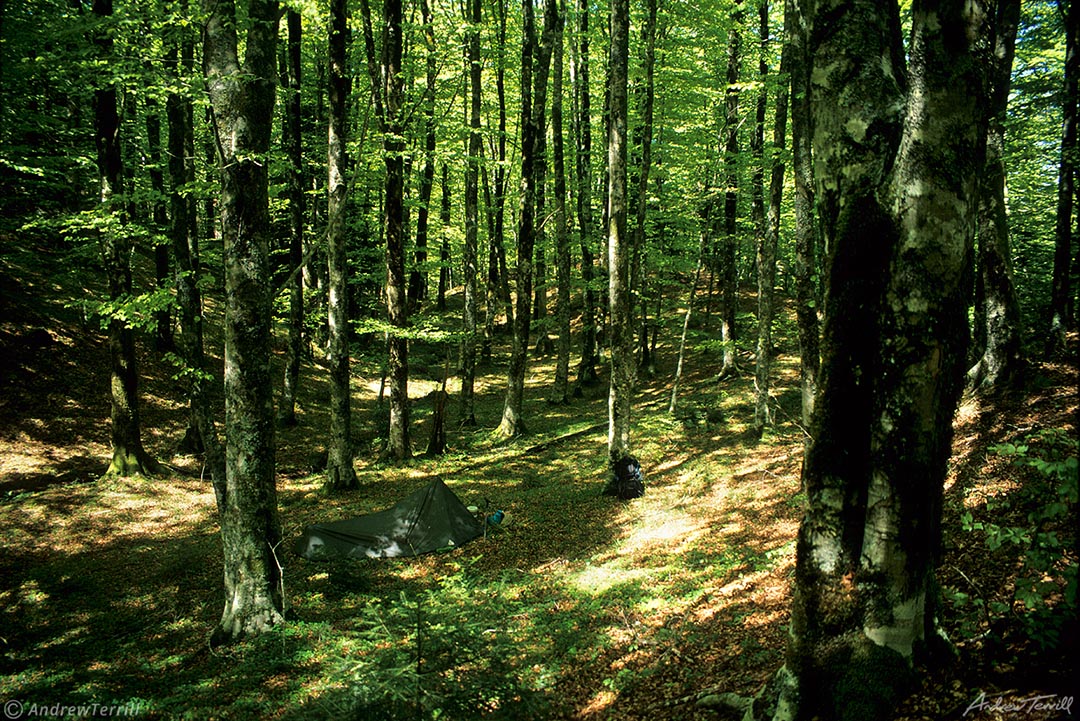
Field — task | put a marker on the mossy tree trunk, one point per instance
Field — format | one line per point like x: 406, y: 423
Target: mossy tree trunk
x: 729, y: 274
x: 535, y: 66
x: 201, y: 434
x: 512, y: 423
x: 544, y: 345
x: 400, y: 446
x: 388, y: 94
x: 622, y: 354
x: 644, y: 137
x: 297, y: 209
x: 897, y: 157
x: 418, y: 276
x: 586, y: 370
x: 444, y: 249
x: 767, y: 223
x: 498, y: 290
x: 796, y: 36
x: 159, y: 217
x: 1060, y: 295
x: 340, y: 473
x: 997, y: 313
x: 128, y: 456
x: 472, y: 219
x: 560, y: 387
x: 242, y: 95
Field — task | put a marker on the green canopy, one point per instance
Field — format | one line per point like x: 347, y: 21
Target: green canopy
x: 428, y: 520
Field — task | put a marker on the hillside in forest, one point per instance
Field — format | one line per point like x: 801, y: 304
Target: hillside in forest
x: 579, y: 606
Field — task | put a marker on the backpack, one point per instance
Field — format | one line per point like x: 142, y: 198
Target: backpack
x: 627, y: 481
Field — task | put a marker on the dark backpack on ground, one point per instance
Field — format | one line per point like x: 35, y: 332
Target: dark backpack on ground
x: 626, y: 482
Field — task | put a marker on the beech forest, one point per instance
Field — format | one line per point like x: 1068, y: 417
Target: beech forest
x: 555, y: 359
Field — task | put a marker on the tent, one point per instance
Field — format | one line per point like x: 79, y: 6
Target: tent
x: 427, y: 520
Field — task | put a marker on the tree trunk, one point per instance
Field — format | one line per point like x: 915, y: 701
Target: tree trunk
x: 896, y: 171
x: 294, y: 150
x: 586, y: 371
x: 622, y: 354
x: 316, y: 268
x: 499, y: 240
x: 340, y: 473
x: 797, y: 35
x: 394, y: 146
x: 729, y: 283
x: 604, y: 306
x: 418, y: 277
x: 1001, y: 361
x: 706, y: 227
x: 491, y: 288
x: 648, y: 36
x: 388, y: 91
x: 769, y: 233
x: 128, y: 456
x: 163, y: 331
x: 242, y: 96
x: 560, y: 387
x: 498, y: 287
x: 444, y: 251
x: 535, y: 59
x: 1060, y: 295
x: 437, y: 441
x: 512, y: 423
x: 211, y: 227
x: 200, y: 436
x: 472, y: 218
x: 544, y: 345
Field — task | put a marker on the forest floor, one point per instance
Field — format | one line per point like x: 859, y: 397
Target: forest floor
x: 584, y: 607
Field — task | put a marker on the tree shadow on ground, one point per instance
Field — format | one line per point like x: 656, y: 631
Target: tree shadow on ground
x: 74, y: 469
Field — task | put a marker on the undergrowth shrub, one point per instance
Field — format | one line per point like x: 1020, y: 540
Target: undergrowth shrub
x: 1044, y: 599
x: 448, y: 652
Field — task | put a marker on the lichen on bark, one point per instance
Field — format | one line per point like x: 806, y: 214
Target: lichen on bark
x: 896, y: 155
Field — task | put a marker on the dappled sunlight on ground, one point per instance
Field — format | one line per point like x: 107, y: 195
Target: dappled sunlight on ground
x: 582, y: 607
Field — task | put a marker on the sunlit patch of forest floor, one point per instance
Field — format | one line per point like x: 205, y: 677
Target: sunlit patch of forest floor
x: 582, y: 607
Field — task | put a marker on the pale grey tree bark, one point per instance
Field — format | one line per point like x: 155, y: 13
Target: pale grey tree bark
x: 997, y: 312
x: 340, y: 473
x: 896, y: 158
x: 297, y: 208
x: 418, y: 276
x: 620, y: 392
x: 242, y: 94
x: 512, y: 423
x: 535, y: 67
x: 498, y: 285
x: 560, y: 387
x: 797, y: 35
x: 765, y: 261
x: 729, y: 274
x: 1061, y: 297
x: 639, y: 272
x: 769, y: 233
x: 579, y: 74
x: 388, y: 92
x: 472, y: 218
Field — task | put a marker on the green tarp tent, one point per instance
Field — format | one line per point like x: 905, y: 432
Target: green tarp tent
x: 430, y: 519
